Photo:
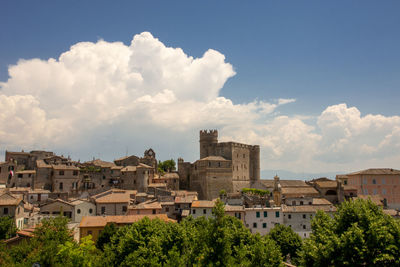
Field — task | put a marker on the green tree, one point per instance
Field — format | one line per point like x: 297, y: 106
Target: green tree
x: 43, y: 247
x: 166, y: 166
x: 7, y: 227
x: 105, y: 235
x: 84, y: 254
x: 288, y: 241
x: 360, y: 234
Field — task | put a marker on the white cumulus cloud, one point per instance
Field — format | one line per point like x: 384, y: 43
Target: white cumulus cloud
x: 103, y: 97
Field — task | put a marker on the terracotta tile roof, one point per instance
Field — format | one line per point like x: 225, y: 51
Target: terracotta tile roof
x: 64, y: 167
x: 186, y: 199
x: 126, y: 157
x: 51, y: 201
x: 349, y: 188
x: 39, y: 191
x: 142, y: 165
x: 26, y: 171
x: 341, y: 176
x: 101, y: 163
x: 326, y: 184
x: 321, y: 201
x: 376, y: 171
x: 148, y: 205
x: 101, y: 221
x: 234, y: 208
x: 41, y: 164
x: 157, y: 185
x: 203, y: 204
x: 114, y: 198
x: 308, y: 208
x: 7, y: 199
x: 117, y: 168
x: 129, y: 169
x: 299, y: 191
x: 213, y: 158
x: 170, y: 175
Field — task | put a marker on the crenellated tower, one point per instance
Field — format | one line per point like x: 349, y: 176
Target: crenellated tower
x: 208, y: 140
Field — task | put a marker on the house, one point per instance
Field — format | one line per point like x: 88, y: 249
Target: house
x: 235, y: 211
x: 145, y: 208
x: 299, y: 217
x: 376, y: 181
x: 93, y: 225
x: 113, y: 201
x: 65, y: 178
x: 202, y: 208
x: 262, y: 219
x: 13, y: 206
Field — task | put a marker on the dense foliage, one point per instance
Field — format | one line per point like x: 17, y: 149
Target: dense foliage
x: 288, y: 241
x: 360, y: 234
x: 7, y: 227
x: 166, y: 166
x: 255, y: 191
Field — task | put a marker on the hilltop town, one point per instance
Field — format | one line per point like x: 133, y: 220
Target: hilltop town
x: 39, y: 184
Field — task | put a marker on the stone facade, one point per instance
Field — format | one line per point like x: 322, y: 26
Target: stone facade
x: 227, y: 165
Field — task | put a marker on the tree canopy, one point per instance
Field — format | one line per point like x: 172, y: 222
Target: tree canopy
x: 359, y: 234
x: 7, y: 227
x: 288, y: 241
x: 166, y: 166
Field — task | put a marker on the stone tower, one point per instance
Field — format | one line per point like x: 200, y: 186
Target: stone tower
x: 208, y: 140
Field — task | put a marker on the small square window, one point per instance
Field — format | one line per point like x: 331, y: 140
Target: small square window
x: 304, y: 227
x: 264, y: 225
x: 204, y: 211
x: 254, y: 225
x: 290, y: 216
x: 265, y: 214
x: 304, y: 216
x: 258, y: 214
x: 277, y: 214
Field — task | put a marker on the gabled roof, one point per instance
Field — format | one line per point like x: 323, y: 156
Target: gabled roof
x: 101, y: 221
x: 126, y: 157
x: 326, y: 184
x: 113, y: 196
x: 321, y: 201
x: 101, y: 163
x: 51, y: 201
x: 183, y: 200
x: 376, y: 171
x: 148, y: 205
x: 142, y: 165
x: 26, y: 172
x: 299, y: 191
x: 7, y: 199
x: 234, y: 208
x: 284, y: 183
x: 203, y: 204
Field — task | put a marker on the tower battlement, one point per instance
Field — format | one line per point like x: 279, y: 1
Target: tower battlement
x: 209, y: 133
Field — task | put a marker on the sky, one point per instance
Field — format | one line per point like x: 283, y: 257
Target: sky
x: 314, y: 83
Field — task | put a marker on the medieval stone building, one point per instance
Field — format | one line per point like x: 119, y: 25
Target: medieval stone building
x: 225, y: 166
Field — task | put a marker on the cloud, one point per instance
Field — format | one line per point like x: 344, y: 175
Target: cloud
x: 103, y: 97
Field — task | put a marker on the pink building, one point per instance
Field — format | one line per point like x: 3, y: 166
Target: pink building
x: 384, y: 182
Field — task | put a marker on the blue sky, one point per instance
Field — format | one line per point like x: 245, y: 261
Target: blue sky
x: 318, y: 52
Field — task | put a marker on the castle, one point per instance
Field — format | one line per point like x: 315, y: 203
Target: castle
x: 228, y: 166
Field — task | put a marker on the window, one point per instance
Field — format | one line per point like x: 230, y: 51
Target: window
x: 219, y: 164
x: 154, y: 212
x: 75, y: 173
x: 60, y: 186
x: 277, y: 214
x: 304, y: 216
x: 209, y: 164
x: 294, y: 202
x: 304, y: 226
x: 194, y: 211
x: 373, y: 181
x: 264, y: 225
x: 20, y: 175
x: 265, y: 214
x: 383, y: 181
x: 309, y: 203
x: 244, y: 155
x: 383, y: 191
x: 103, y: 210
x: 365, y: 181
x: 375, y: 192
x: 204, y: 211
x: 345, y: 182
x: 90, y: 211
x: 258, y: 214
x: 167, y: 209
x: 61, y: 172
x: 124, y: 209
x: 89, y: 232
x: 78, y: 211
x: 5, y: 211
x: 290, y: 216
x: 301, y: 203
x: 104, y: 177
x: 254, y: 225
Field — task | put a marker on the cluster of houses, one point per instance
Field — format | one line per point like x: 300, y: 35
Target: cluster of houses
x: 39, y: 184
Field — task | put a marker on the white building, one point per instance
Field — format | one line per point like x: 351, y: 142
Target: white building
x: 299, y: 217
x: 262, y: 219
